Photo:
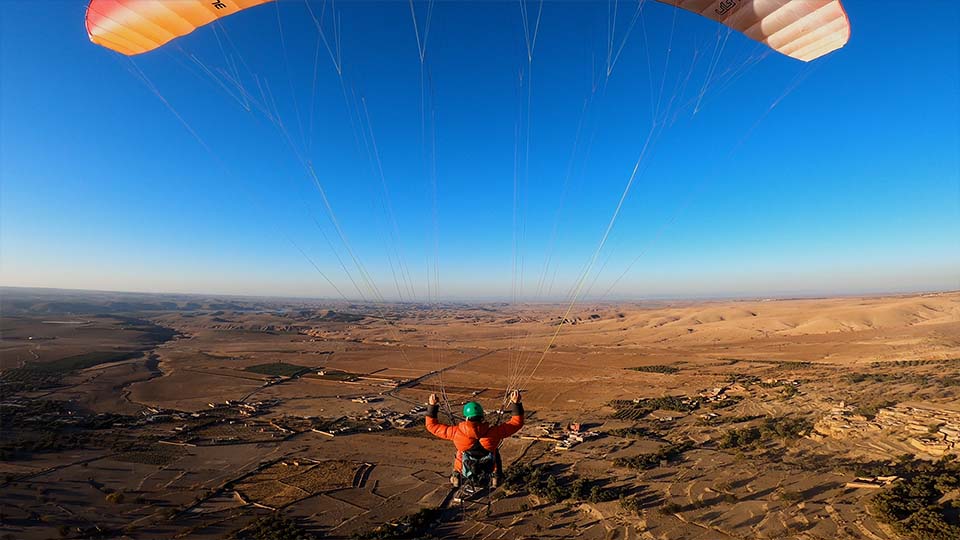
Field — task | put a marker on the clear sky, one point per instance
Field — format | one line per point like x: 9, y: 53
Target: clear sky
x: 762, y: 175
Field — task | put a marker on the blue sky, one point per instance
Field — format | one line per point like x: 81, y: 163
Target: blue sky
x: 763, y: 175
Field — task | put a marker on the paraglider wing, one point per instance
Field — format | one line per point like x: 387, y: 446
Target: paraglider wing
x: 133, y: 27
x: 801, y: 29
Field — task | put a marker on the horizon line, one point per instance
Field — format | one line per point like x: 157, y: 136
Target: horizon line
x: 778, y: 296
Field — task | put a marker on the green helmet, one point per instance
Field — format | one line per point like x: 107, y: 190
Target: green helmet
x: 472, y: 409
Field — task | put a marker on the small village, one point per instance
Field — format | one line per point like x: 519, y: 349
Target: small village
x: 562, y: 437
x: 926, y: 429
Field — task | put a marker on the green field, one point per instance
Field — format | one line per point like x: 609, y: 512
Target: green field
x: 278, y: 369
x: 83, y: 361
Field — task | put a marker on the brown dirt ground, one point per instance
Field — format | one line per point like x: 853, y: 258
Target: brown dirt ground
x: 721, y: 493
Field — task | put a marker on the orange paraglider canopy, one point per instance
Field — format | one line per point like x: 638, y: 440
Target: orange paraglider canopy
x: 801, y: 29
x: 137, y: 26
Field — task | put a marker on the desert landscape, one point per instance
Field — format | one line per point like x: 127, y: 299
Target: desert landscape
x: 706, y: 252
x: 166, y: 416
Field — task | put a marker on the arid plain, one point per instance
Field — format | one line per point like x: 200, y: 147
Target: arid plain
x: 144, y: 416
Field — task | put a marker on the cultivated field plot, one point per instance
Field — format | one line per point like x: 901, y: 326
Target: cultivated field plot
x: 156, y: 454
x: 234, y: 432
x: 286, y: 482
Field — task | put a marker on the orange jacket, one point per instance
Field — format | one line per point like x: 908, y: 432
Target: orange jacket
x: 466, y: 434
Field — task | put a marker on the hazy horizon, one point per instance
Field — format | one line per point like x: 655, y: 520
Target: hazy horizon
x: 783, y: 295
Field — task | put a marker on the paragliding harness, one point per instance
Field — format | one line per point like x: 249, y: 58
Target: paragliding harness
x: 477, y: 466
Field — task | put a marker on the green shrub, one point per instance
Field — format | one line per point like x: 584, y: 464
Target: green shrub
x: 651, y: 460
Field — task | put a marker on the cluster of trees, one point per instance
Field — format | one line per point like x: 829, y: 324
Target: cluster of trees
x: 771, y: 428
x: 633, y: 432
x: 273, y: 527
x: 28, y: 412
x: 651, y: 460
x: 23, y: 445
x: 335, y: 316
x: 787, y: 389
x: 36, y: 426
x: 739, y: 378
x: 636, y: 409
x: 720, y: 420
x: 633, y: 504
x: 795, y: 364
x: 26, y: 379
x: 40, y: 375
x: 913, y: 363
x: 915, y: 506
x: 919, y: 379
x: 535, y: 479
x: 857, y: 378
x: 655, y: 369
x: 93, y: 532
x: 870, y: 410
x: 83, y: 361
x: 730, y: 401
x: 783, y: 364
